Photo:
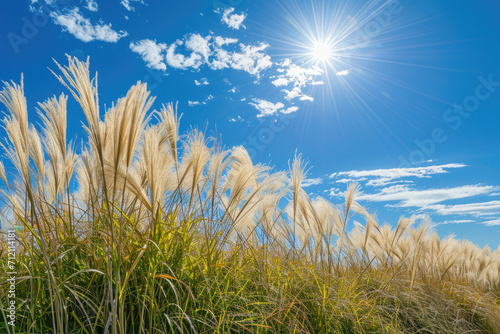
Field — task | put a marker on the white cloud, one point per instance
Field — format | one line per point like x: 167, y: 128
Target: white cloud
x: 150, y: 52
x: 237, y: 119
x: 285, y: 63
x: 197, y: 103
x: 199, y: 45
x: 306, y: 98
x: 234, y: 21
x: 383, y: 177
x: 80, y: 27
x: 311, y: 182
x: 202, y: 82
x: 343, y: 73
x: 477, y: 209
x: 425, y: 198
x: 179, y: 61
x: 92, y: 5
x: 221, y: 60
x: 494, y: 222
x: 251, y: 59
x: 128, y: 6
x: 195, y: 51
x: 291, y: 94
x: 458, y: 221
x: 280, y: 82
x: 266, y: 108
x: 220, y: 41
x: 296, y: 92
x: 349, y: 180
x: 298, y: 76
x: 290, y: 110
x: 334, y: 192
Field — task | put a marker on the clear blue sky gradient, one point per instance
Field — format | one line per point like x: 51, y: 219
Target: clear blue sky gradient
x: 408, y: 68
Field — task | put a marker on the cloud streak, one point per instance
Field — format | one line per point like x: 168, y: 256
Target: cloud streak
x: 383, y: 177
x: 312, y: 182
x: 476, y: 209
x: 128, y: 6
x: 424, y: 198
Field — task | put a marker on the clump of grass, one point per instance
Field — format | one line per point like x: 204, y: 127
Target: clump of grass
x: 142, y: 229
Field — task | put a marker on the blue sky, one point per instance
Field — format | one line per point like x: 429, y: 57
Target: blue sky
x: 402, y: 97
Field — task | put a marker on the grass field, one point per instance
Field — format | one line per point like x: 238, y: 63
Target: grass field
x: 141, y: 229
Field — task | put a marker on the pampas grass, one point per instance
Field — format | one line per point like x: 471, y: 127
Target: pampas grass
x: 146, y: 230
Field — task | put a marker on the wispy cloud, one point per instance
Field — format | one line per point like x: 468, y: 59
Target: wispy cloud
x: 197, y: 103
x: 294, y: 78
x: 425, y: 198
x: 128, y: 6
x: 476, y: 209
x: 333, y: 192
x: 311, y: 182
x: 234, y: 21
x: 383, y: 177
x: 457, y: 221
x: 343, y: 73
x: 398, y: 190
x: 202, y: 82
x: 73, y: 22
x: 494, y: 222
x: 349, y: 180
x: 237, y: 119
x: 92, y: 5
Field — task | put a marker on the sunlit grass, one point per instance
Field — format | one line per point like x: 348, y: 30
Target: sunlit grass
x: 144, y: 230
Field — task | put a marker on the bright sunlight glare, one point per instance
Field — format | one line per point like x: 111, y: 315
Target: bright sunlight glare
x: 322, y: 52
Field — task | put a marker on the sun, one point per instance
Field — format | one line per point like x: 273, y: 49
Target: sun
x: 322, y: 52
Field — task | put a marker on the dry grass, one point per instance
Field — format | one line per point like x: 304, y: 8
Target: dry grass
x: 150, y: 231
